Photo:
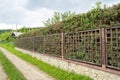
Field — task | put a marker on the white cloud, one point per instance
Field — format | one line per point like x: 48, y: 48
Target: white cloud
x: 31, y: 13
x: 13, y: 12
x: 113, y: 3
x: 13, y: 3
x: 35, y: 17
x: 10, y: 26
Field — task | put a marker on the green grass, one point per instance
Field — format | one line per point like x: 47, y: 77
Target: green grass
x: 56, y: 73
x: 10, y: 69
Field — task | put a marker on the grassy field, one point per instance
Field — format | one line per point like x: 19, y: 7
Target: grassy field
x: 10, y: 69
x: 56, y: 73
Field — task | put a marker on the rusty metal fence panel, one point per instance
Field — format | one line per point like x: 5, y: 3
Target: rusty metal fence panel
x: 29, y: 42
x: 39, y: 44
x: 83, y: 46
x: 26, y: 43
x: 20, y: 42
x: 52, y: 44
x: 113, y: 47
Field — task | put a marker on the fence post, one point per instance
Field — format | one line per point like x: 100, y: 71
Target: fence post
x: 33, y: 44
x: 103, y: 47
x: 43, y: 44
x: 62, y: 45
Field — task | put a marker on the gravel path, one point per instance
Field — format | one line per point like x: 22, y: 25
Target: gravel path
x: 3, y: 75
x: 29, y: 71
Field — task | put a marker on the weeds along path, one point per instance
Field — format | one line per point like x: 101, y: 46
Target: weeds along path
x: 29, y: 71
x: 3, y: 75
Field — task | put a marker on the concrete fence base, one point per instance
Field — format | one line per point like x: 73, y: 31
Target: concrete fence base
x: 69, y: 66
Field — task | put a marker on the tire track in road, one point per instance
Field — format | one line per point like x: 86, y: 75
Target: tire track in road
x: 29, y: 71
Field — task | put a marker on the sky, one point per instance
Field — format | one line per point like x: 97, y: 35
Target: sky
x: 15, y: 14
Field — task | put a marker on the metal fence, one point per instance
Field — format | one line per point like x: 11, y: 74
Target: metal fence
x: 52, y: 45
x: 100, y: 47
x: 113, y: 47
x: 83, y: 46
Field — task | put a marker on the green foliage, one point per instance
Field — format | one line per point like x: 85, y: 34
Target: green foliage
x: 96, y: 18
x: 98, y: 5
x: 24, y: 30
x: 58, y: 17
x: 78, y: 55
x: 6, y: 36
x: 7, y: 30
x: 12, y: 72
x: 57, y: 73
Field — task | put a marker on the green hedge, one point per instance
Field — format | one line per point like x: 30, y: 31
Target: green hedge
x: 95, y: 18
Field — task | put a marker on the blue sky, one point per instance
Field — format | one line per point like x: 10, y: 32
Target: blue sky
x: 31, y: 13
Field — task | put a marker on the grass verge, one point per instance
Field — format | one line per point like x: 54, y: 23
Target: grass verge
x: 10, y: 69
x: 56, y: 73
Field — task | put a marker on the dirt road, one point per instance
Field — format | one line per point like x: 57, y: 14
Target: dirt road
x: 29, y: 71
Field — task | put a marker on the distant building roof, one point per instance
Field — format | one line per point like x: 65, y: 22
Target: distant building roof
x: 16, y: 34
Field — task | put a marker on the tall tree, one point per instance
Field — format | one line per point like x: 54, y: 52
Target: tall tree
x: 57, y: 17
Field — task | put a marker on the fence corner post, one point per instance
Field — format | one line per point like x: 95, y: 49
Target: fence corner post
x: 103, y: 47
x: 62, y: 45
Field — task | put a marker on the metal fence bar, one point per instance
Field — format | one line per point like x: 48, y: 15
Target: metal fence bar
x: 62, y: 45
x: 33, y: 44
x: 103, y: 47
